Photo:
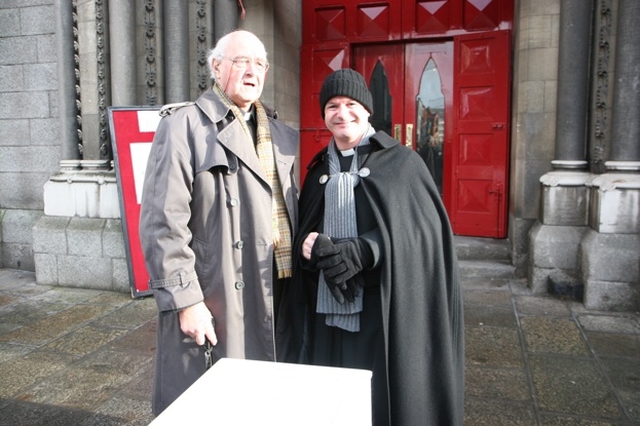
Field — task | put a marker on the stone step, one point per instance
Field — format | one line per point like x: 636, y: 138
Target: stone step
x: 484, y: 257
x: 476, y: 248
x: 486, y: 269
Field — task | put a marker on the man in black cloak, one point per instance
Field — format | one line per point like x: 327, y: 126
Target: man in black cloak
x: 375, y: 270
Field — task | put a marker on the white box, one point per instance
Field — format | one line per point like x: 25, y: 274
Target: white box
x: 238, y: 392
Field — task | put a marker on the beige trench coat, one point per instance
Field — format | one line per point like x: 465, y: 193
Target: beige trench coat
x: 205, y: 227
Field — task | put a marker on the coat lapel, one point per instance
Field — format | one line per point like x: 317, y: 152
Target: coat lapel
x: 233, y: 138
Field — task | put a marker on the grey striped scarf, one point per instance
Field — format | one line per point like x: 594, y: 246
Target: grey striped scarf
x: 340, y: 221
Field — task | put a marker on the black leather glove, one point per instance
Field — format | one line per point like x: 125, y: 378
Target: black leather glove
x: 349, y: 288
x: 339, y: 294
x: 351, y: 257
x: 323, y: 247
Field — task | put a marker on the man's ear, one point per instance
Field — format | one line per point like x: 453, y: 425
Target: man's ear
x: 215, y: 66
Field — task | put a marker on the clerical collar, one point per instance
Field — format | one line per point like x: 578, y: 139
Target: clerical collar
x: 248, y: 115
x: 347, y: 152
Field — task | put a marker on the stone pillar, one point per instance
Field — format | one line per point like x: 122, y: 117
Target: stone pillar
x: 611, y: 251
x: 94, y: 73
x: 625, y: 132
x: 176, y: 50
x: 573, y: 82
x: 150, y: 53
x: 202, y: 38
x: 122, y: 36
x: 555, y: 240
x: 225, y: 17
x: 74, y: 240
x: 67, y: 109
x: 85, y: 186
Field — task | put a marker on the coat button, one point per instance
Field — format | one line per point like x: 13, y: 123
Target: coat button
x: 239, y: 245
x: 233, y: 202
x: 239, y: 285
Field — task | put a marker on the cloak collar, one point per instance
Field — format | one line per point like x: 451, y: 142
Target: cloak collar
x: 381, y: 139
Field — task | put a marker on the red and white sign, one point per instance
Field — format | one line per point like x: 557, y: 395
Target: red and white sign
x: 132, y: 131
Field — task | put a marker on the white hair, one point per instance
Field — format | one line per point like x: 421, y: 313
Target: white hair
x: 220, y: 49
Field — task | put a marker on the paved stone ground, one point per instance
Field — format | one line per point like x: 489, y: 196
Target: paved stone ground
x: 85, y: 357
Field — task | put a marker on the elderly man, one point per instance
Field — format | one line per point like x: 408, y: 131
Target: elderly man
x: 218, y: 213
x: 375, y: 269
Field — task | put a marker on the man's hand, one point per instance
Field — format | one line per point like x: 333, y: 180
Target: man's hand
x: 317, y: 246
x: 195, y: 322
x: 307, y: 245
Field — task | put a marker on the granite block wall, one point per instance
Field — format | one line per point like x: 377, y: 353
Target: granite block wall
x: 29, y: 135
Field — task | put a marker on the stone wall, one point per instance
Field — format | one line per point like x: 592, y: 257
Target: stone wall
x: 29, y: 128
x: 81, y: 252
x: 533, y: 115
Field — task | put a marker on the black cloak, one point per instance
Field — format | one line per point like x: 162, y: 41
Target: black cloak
x: 419, y: 287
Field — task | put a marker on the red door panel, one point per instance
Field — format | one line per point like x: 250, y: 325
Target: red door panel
x: 480, y: 148
x: 451, y: 17
x: 330, y: 21
x: 430, y: 17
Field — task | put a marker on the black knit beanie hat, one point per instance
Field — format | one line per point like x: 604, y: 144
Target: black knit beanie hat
x: 346, y: 82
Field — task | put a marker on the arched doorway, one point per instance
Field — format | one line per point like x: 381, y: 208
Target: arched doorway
x: 418, y: 78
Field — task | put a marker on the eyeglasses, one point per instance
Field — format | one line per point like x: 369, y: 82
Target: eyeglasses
x: 242, y: 63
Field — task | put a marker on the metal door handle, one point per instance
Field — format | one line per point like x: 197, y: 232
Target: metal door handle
x: 397, y: 132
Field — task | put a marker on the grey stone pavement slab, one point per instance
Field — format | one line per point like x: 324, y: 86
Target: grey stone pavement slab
x: 72, y: 356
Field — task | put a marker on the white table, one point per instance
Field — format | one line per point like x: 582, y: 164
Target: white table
x: 241, y: 392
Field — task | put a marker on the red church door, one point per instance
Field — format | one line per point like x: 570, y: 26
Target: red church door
x: 449, y: 102
x: 480, y: 147
x: 440, y: 75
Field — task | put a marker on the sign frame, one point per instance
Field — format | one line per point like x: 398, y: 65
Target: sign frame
x: 132, y: 130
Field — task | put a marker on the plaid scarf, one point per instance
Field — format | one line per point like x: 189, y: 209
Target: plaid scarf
x: 280, y: 227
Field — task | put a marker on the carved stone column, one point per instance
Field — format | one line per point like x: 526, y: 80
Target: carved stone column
x: 150, y: 53
x: 611, y: 250
x: 202, y: 37
x: 67, y: 79
x: 85, y: 186
x: 94, y: 77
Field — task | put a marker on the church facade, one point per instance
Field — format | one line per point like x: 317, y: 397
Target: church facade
x: 527, y: 113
